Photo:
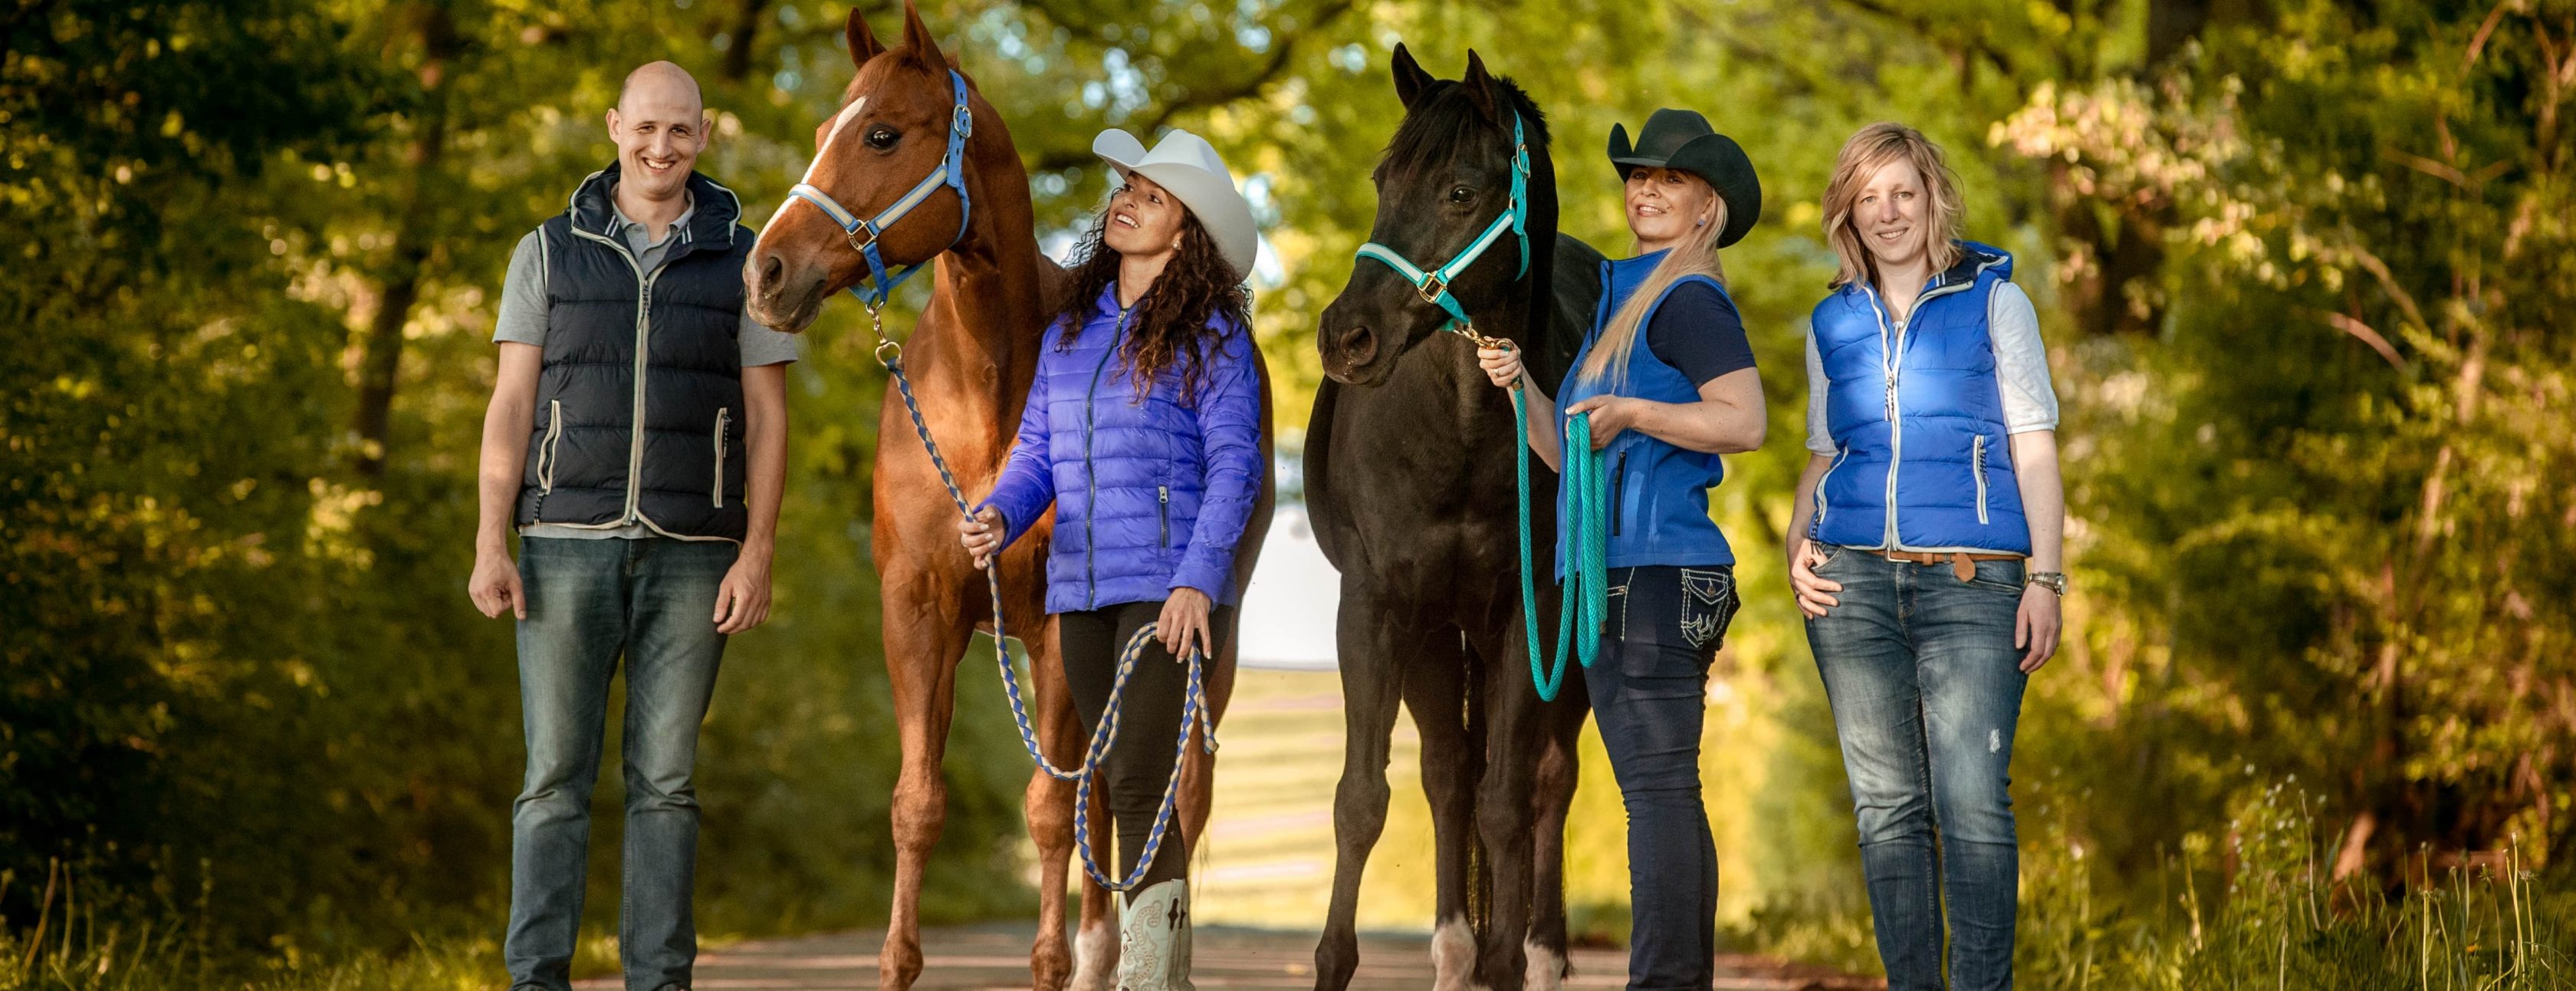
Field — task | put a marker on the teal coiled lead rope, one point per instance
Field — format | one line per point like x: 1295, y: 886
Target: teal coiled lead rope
x: 1587, y: 530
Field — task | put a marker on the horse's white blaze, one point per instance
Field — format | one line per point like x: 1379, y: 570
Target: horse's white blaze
x: 848, y: 114
x: 1545, y: 968
x: 1453, y: 955
x: 1095, y: 956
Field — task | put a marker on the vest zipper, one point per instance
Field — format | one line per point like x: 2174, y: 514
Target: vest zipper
x: 1824, y: 505
x: 643, y: 330
x: 1977, y: 464
x: 1618, y: 492
x: 724, y: 418
x: 1090, y: 475
x: 546, y: 457
x: 1163, y: 496
x: 1892, y: 363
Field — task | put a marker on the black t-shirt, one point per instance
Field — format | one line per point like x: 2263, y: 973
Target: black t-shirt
x: 1698, y: 332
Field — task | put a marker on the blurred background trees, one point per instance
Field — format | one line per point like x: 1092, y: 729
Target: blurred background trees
x: 2305, y: 269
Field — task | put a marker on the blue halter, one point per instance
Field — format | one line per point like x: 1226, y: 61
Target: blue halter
x: 863, y: 234
x: 1433, y: 284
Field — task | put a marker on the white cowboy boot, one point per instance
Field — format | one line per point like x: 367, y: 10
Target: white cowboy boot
x: 1154, y: 949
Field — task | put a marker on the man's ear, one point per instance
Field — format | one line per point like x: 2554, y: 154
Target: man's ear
x: 612, y: 124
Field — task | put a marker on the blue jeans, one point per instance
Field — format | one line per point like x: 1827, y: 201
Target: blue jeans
x: 1649, y: 696
x: 589, y: 602
x: 1926, y: 686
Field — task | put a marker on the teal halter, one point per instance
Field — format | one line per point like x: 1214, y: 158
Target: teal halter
x: 863, y: 234
x: 1579, y: 623
x: 1433, y: 284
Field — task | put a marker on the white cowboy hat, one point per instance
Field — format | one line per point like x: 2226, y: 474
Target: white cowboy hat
x: 1188, y: 166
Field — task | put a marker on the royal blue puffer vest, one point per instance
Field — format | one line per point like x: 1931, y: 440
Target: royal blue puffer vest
x: 639, y: 406
x: 1658, y: 492
x: 1922, y: 462
x: 1150, y: 494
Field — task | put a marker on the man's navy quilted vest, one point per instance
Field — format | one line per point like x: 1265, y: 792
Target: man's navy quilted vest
x: 639, y: 409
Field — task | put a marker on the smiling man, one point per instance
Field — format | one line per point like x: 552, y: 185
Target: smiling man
x: 637, y: 440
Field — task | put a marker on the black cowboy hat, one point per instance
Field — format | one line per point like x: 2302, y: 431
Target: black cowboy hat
x: 1682, y: 139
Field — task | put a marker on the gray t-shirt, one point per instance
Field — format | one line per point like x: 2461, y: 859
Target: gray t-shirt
x: 2021, y: 371
x: 523, y: 316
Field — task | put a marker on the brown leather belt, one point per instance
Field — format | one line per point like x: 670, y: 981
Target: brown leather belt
x: 1961, y: 564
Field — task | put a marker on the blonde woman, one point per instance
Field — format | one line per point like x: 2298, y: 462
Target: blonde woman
x: 1668, y: 379
x: 1925, y: 549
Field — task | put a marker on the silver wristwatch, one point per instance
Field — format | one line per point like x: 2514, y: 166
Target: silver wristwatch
x: 2054, y: 581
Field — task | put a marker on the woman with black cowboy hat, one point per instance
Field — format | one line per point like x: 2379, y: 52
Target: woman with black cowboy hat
x: 1668, y: 378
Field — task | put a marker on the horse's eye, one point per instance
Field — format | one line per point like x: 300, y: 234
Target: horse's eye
x: 882, y: 138
x: 1461, y: 194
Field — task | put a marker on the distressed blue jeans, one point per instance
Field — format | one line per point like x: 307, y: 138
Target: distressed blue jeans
x: 591, y: 602
x: 1926, y: 687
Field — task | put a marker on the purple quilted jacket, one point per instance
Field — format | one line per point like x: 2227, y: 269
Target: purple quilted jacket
x: 1150, y: 496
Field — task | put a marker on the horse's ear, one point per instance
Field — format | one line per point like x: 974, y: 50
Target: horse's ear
x: 1410, y: 80
x: 863, y: 42
x: 1481, y: 88
x: 925, y: 50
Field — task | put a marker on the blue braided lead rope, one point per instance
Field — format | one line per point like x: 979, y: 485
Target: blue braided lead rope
x: 1194, y: 708
x: 1194, y: 711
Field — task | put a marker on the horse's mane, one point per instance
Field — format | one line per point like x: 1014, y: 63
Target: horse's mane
x: 1444, y: 117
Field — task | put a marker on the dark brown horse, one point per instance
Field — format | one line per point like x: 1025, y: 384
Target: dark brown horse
x: 1409, y: 477
x: 970, y: 361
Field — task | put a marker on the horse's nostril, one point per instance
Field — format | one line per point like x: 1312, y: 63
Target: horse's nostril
x: 1357, y: 343
x: 770, y: 270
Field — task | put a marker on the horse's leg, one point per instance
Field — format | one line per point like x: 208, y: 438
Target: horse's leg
x: 1435, y: 691
x: 1503, y: 798
x: 1049, y: 802
x: 1372, y: 685
x: 924, y: 637
x: 1095, y: 957
x: 1559, y: 770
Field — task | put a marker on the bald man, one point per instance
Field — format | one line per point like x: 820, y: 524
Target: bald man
x: 637, y: 442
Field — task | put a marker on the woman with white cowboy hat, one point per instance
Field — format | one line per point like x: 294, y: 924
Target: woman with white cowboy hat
x: 1143, y: 430
x: 1667, y: 377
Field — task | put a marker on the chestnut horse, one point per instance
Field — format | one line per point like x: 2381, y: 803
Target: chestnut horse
x: 970, y: 361
x: 1410, y: 479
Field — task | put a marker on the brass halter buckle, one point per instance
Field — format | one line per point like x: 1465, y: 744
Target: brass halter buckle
x: 1432, y: 288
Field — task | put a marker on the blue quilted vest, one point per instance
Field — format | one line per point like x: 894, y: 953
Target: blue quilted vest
x: 1921, y: 459
x: 1658, y: 492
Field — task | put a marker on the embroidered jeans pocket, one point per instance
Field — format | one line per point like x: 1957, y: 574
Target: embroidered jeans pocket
x: 1708, y: 606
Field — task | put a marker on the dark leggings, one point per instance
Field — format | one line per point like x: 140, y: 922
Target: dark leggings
x: 1140, y: 763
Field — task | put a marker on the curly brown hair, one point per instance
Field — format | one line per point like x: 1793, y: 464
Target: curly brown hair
x: 1175, y: 324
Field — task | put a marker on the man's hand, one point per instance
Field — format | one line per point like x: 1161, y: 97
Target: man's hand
x: 742, y: 601
x: 494, y: 586
x: 1183, y: 627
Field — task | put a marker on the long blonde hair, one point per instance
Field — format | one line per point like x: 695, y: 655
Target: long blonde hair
x: 1868, y: 151
x: 1696, y: 255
